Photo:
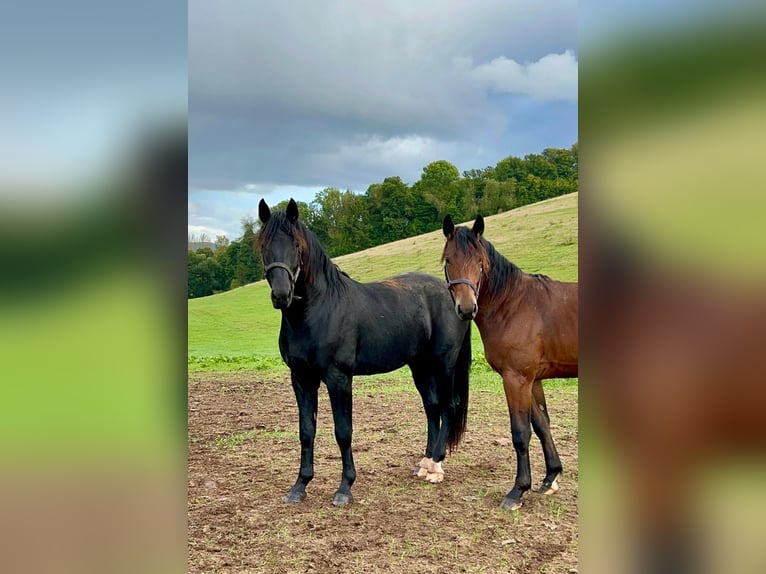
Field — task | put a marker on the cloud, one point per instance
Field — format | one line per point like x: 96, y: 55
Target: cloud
x: 369, y: 157
x: 197, y: 231
x: 387, y: 63
x: 552, y: 77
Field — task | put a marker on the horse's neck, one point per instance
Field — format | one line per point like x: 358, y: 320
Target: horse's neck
x: 491, y: 304
x: 319, y: 286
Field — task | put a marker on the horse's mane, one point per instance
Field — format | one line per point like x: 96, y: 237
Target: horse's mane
x: 502, y: 274
x: 314, y: 259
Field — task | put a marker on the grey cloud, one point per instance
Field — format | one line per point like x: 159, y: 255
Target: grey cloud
x: 340, y: 93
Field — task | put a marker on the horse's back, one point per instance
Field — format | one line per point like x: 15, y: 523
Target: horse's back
x: 401, y: 318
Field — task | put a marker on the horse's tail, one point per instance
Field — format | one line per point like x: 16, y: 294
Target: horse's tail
x: 459, y: 410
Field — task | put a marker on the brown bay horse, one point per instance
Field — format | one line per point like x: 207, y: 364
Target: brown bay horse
x: 528, y: 324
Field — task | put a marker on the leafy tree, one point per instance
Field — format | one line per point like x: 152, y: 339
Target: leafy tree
x: 511, y: 168
x: 203, y: 270
x: 441, y: 187
x: 540, y: 167
x: 564, y: 162
x: 391, y: 212
x: 248, y: 266
x: 221, y: 242
x: 338, y: 218
x: 498, y: 196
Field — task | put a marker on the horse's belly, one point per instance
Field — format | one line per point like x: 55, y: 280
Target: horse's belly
x: 386, y: 350
x: 373, y: 360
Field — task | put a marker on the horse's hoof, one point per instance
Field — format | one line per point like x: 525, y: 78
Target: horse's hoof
x: 342, y: 499
x: 422, y: 468
x: 548, y: 489
x: 510, y: 504
x: 435, y: 477
x: 293, y: 497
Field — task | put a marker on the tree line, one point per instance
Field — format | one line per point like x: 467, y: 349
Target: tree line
x: 390, y: 210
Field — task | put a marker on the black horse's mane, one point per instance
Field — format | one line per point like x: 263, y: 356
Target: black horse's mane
x: 314, y: 259
x: 502, y: 274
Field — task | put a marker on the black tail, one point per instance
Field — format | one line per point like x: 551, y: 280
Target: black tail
x: 459, y: 412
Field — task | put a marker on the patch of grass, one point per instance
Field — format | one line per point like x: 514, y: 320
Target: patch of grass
x: 556, y: 509
x: 283, y: 534
x: 235, y: 363
x: 410, y: 549
x: 232, y: 440
x: 491, y: 382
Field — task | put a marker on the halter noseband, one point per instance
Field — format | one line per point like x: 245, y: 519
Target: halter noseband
x: 293, y: 275
x: 452, y: 282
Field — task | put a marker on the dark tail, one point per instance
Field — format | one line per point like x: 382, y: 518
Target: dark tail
x: 459, y: 412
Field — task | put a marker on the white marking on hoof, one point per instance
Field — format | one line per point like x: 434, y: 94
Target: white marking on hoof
x: 436, y: 474
x: 554, y: 487
x: 421, y: 469
x: 424, y: 467
x: 515, y: 506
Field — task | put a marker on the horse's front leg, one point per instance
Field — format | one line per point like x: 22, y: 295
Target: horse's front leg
x: 339, y: 389
x: 518, y: 394
x: 305, y: 386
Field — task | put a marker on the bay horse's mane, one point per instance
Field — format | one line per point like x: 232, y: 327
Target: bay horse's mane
x: 314, y: 259
x: 502, y: 275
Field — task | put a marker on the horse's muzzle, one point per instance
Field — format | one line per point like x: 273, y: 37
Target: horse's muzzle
x: 466, y: 313
x: 281, y: 300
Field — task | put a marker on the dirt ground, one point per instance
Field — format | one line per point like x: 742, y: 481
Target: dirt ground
x: 244, y: 456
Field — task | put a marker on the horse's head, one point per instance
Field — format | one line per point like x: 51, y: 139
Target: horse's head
x: 465, y: 265
x: 280, y: 246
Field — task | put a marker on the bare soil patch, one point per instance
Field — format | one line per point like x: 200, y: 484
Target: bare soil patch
x: 244, y: 456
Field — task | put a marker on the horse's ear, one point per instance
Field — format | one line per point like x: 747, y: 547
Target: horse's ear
x: 292, y: 211
x: 478, y: 227
x: 263, y: 211
x: 448, y: 226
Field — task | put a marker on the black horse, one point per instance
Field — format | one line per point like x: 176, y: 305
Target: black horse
x: 334, y: 328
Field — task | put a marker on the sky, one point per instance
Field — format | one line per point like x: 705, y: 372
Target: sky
x: 287, y: 98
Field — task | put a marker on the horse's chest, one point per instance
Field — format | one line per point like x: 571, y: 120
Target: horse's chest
x: 505, y: 354
x: 310, y: 346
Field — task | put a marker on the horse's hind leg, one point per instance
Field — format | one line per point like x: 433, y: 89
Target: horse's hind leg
x: 305, y: 386
x: 426, y: 385
x: 542, y: 428
x: 339, y: 389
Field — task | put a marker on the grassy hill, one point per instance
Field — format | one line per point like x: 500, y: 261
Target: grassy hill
x: 239, y: 328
